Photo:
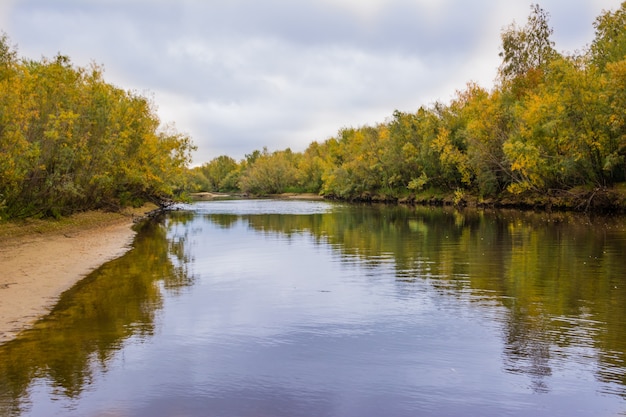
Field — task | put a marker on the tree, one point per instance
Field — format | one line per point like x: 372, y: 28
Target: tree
x: 269, y: 173
x: 615, y: 162
x: 217, y: 170
x: 310, y: 168
x: 528, y: 49
x: 609, y: 44
x: 403, y: 151
x: 8, y: 57
x: 488, y: 126
x: 69, y: 141
x: 608, y: 53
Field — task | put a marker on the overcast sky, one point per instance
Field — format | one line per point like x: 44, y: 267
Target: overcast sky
x: 237, y: 75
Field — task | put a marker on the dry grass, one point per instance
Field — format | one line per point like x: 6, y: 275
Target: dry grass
x: 68, y: 225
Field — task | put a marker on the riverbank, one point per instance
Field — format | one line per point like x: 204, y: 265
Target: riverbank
x: 40, y: 260
x: 579, y: 199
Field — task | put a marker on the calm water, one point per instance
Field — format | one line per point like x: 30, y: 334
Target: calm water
x: 293, y: 308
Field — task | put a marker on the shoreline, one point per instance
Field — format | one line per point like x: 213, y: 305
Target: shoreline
x: 37, y: 267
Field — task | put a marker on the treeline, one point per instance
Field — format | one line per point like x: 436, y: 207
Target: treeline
x: 70, y: 142
x: 554, y: 123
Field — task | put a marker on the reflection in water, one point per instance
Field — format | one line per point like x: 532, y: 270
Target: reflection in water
x: 541, y: 266
x: 308, y: 308
x: 92, y: 320
x: 527, y: 350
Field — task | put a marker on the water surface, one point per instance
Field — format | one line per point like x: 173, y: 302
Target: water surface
x: 295, y: 308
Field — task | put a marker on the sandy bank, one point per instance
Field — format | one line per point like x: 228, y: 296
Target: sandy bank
x: 36, y: 268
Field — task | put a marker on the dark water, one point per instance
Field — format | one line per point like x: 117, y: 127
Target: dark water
x: 291, y: 308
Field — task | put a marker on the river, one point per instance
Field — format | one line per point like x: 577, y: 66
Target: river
x: 242, y: 308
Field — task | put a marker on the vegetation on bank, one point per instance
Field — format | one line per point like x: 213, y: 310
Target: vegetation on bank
x: 71, y: 142
x: 552, y: 132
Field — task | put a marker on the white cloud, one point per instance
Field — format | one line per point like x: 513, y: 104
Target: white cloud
x: 5, y: 8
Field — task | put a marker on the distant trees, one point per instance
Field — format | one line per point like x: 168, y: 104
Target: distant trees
x: 552, y: 123
x: 69, y: 141
x: 218, y: 171
x: 269, y: 173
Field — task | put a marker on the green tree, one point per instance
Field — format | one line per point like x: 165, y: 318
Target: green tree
x: 217, y: 172
x: 195, y: 181
x: 526, y: 52
x: 488, y: 126
x: 615, y: 161
x: 609, y: 44
x: 310, y: 168
x: 269, y: 173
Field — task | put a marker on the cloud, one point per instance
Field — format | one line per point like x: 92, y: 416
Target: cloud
x: 5, y: 7
x: 238, y: 75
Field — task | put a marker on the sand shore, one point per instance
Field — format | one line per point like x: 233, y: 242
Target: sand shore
x: 36, y: 268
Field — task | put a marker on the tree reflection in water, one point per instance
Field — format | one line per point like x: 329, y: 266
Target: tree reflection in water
x: 561, y: 276
x: 92, y: 320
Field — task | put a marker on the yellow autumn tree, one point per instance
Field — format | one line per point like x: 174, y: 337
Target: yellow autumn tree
x: 69, y: 141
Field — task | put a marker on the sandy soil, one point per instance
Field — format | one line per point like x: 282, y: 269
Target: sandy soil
x: 36, y: 269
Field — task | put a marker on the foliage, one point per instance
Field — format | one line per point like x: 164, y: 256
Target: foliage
x: 269, y: 173
x: 609, y: 44
x: 71, y: 142
x: 553, y: 123
x: 218, y: 172
x: 527, y: 49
